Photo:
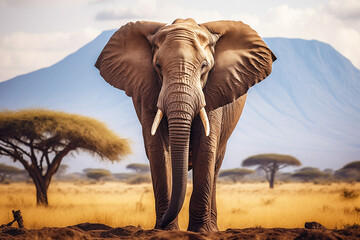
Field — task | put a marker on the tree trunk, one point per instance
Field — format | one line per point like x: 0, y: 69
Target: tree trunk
x: 2, y: 178
x: 41, y: 189
x: 272, y: 179
x: 41, y: 195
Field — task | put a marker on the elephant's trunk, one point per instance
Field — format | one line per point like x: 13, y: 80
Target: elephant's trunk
x: 180, y: 116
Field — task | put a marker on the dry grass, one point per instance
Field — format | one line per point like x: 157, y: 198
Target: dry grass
x: 240, y: 205
x: 288, y: 205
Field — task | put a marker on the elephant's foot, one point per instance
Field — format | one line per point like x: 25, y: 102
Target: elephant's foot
x: 171, y: 226
x: 203, y: 227
x: 214, y: 221
x: 214, y: 226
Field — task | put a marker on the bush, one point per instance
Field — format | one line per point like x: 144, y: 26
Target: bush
x: 98, y: 173
x: 235, y: 174
x: 350, y: 172
x: 139, y: 179
x: 349, y: 194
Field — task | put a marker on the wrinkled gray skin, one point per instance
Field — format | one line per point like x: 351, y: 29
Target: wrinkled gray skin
x: 180, y: 69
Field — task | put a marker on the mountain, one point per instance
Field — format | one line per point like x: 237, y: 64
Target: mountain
x: 308, y: 107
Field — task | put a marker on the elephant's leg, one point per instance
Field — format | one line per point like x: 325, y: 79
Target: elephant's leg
x: 160, y: 174
x: 213, y: 193
x: 200, y: 202
x: 229, y: 118
x: 204, y: 159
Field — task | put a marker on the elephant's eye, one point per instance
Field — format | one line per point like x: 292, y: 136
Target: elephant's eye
x: 204, y: 64
x: 158, y: 66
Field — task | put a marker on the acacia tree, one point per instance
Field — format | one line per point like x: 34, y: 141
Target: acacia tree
x: 350, y: 171
x: 40, y: 139
x: 235, y: 174
x: 139, y: 167
x: 62, y: 170
x: 6, y: 171
x: 97, y: 173
x: 309, y: 173
x: 271, y: 164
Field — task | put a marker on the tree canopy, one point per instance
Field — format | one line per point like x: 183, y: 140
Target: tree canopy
x: 7, y: 170
x: 353, y: 165
x: 309, y: 173
x: 62, y: 169
x: 51, y: 132
x: 305, y: 169
x: 86, y: 170
x: 39, y: 139
x: 139, y: 167
x: 236, y: 173
x: 271, y: 163
x: 350, y: 171
x: 98, y: 173
x: 272, y: 158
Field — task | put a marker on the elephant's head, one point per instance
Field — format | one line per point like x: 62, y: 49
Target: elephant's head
x: 178, y: 71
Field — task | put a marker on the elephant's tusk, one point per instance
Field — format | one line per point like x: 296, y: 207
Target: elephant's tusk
x: 205, y: 121
x: 156, y: 122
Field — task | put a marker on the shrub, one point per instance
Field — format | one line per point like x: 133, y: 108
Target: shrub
x: 141, y: 178
x: 349, y: 194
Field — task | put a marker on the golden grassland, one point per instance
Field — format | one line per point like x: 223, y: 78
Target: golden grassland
x: 118, y: 204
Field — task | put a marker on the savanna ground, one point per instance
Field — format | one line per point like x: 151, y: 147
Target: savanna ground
x: 251, y: 205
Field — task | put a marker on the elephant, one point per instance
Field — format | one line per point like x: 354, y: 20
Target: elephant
x: 188, y: 83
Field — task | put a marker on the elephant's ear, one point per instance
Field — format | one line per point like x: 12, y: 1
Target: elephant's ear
x: 126, y: 62
x: 242, y: 59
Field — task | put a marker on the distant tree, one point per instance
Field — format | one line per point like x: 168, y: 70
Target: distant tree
x: 139, y: 167
x: 235, y: 174
x: 139, y: 179
x: 124, y: 176
x: 350, y: 171
x: 309, y: 174
x: 97, y: 174
x: 40, y: 139
x: 271, y: 164
x: 7, y: 171
x: 284, y: 176
x: 305, y: 169
x: 353, y: 165
x: 62, y: 169
x: 86, y: 170
x: 328, y: 171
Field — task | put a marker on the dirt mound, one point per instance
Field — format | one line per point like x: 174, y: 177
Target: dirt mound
x: 97, y: 231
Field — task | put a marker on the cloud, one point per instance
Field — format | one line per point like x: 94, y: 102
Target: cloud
x: 156, y: 10
x: 345, y: 9
x: 45, y: 4
x: 21, y: 2
x: 22, y: 52
x: 113, y: 14
x: 318, y: 23
x: 141, y: 9
x: 54, y: 41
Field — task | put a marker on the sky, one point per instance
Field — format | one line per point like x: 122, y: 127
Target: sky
x: 38, y: 33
